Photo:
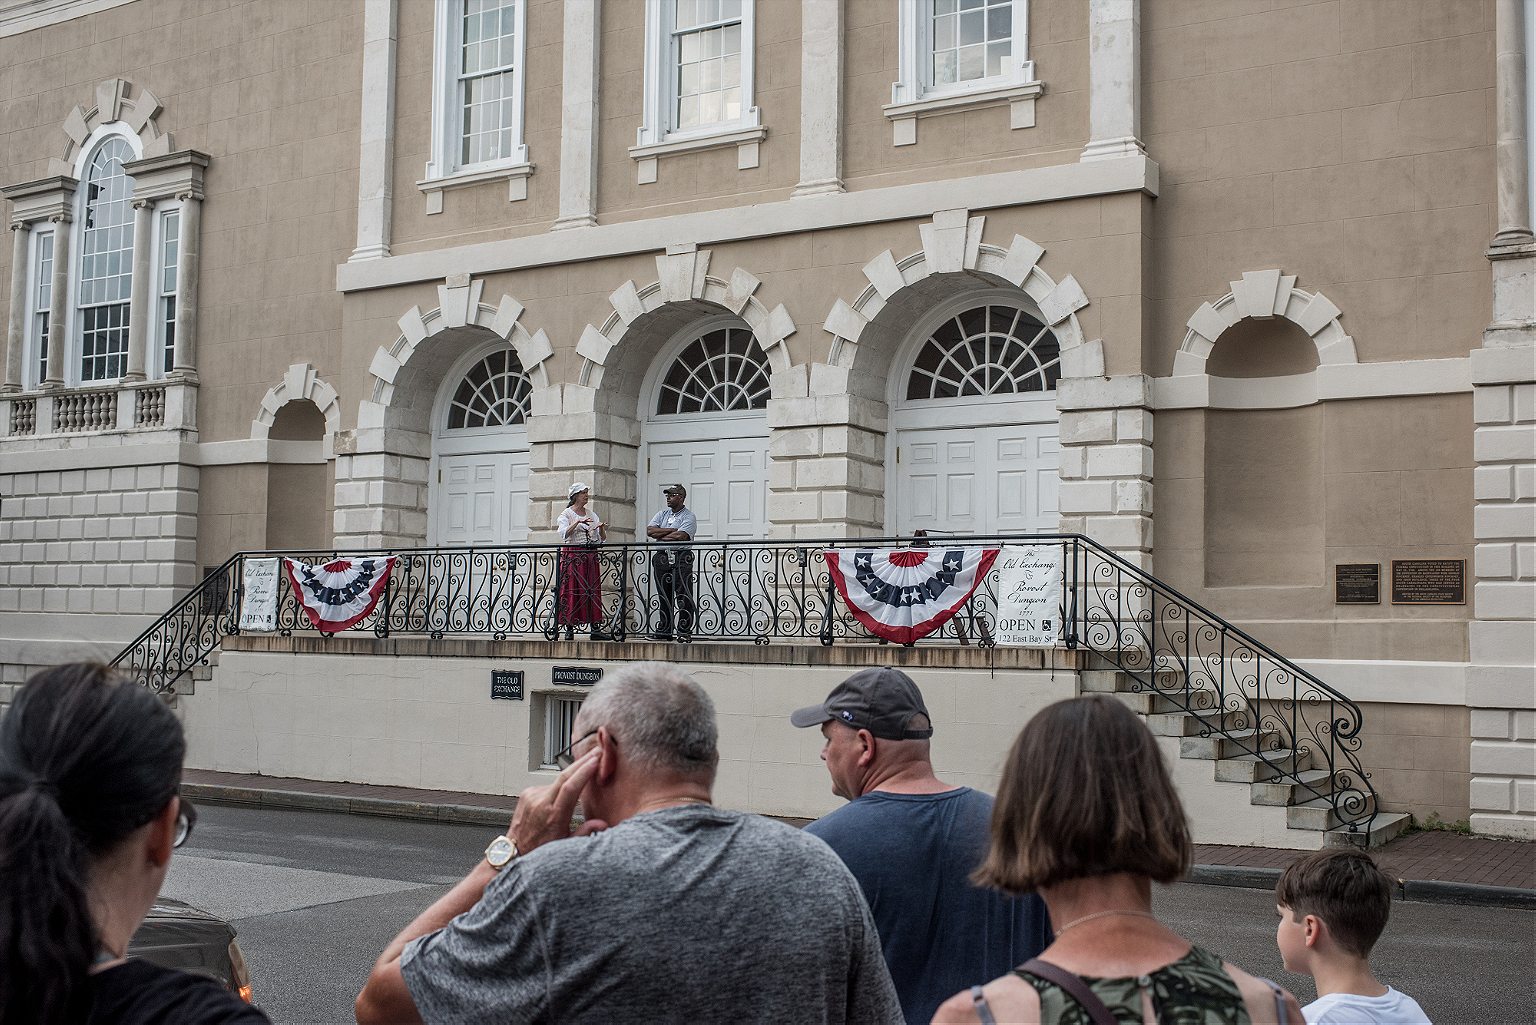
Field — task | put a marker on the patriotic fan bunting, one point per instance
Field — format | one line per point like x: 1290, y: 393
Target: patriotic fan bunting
x: 340, y: 593
x: 905, y: 594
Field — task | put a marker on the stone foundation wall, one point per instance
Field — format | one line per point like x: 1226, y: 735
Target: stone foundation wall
x: 90, y: 556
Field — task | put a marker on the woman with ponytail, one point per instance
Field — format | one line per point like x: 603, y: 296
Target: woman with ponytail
x: 89, y: 813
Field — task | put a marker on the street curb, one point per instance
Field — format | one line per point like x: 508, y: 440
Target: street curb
x: 420, y: 811
x: 1421, y: 891
x: 1425, y: 891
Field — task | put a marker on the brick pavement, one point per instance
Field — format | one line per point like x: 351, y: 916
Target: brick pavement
x: 1428, y: 856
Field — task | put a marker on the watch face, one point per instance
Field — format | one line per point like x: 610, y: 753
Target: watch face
x: 501, y: 851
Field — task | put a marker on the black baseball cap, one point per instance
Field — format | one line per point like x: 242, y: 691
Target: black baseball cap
x: 670, y: 488
x: 882, y: 700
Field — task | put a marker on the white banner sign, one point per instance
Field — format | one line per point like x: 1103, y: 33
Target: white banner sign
x: 258, y: 605
x: 1029, y: 596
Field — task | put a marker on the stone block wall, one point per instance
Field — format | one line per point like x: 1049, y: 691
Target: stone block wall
x: 89, y: 557
x: 1501, y: 682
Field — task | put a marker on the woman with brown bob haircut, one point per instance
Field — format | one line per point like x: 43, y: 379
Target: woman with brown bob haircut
x: 1087, y: 815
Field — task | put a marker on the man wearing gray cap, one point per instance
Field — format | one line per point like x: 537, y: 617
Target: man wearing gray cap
x: 912, y: 841
x: 673, y: 565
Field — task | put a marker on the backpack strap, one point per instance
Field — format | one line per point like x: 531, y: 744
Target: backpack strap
x: 1282, y: 1016
x: 982, y: 1008
x: 1073, y: 986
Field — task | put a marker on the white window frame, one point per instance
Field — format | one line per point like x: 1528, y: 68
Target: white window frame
x: 74, y: 321
x: 159, y: 293
x: 560, y: 712
x: 914, y: 95
x: 444, y: 170
x: 657, y: 135
x: 34, y: 348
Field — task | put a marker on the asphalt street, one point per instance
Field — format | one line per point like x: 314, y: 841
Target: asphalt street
x: 315, y: 896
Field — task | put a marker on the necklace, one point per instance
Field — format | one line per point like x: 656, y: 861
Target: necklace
x: 1105, y: 914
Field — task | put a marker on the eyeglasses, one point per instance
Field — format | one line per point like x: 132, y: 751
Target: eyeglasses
x: 566, y: 758
x: 186, y: 818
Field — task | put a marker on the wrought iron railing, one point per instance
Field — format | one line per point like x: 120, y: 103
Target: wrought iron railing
x: 1305, y: 732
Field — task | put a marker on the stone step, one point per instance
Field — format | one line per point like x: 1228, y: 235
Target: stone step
x: 1283, y: 793
x: 1318, y: 813
x: 1102, y: 681
x: 1232, y: 744
x: 1178, y: 723
x: 1252, y: 769
x: 1147, y: 703
x: 1386, y: 827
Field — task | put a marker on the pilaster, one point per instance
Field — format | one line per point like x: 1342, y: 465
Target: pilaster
x: 1114, y: 80
x: 827, y: 456
x: 821, y: 97
x: 376, y: 137
x: 578, y: 115
x: 16, y: 325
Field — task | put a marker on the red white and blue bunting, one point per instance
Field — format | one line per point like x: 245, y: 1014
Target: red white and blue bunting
x: 905, y: 594
x: 340, y: 593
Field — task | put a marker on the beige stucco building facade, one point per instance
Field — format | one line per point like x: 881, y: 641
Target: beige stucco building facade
x: 392, y: 273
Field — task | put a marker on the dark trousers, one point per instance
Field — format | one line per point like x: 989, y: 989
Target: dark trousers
x: 674, y: 585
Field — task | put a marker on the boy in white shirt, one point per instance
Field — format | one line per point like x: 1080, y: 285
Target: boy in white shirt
x: 1333, y: 906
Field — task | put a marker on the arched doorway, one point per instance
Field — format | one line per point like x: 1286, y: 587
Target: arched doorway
x: 705, y: 425
x: 974, y: 445
x: 479, y: 476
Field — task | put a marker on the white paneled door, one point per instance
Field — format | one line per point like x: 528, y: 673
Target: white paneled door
x: 978, y: 480
x: 481, y: 499
x: 727, y: 482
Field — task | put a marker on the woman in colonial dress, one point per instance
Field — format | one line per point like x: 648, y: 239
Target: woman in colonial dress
x: 581, y: 589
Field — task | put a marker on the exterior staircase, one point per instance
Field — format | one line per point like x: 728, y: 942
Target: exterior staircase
x: 1264, y: 752
x: 1216, y: 757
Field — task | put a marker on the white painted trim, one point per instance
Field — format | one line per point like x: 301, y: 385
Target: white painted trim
x: 18, y: 16
x: 991, y: 410
x: 915, y: 50
x: 1330, y: 382
x: 443, y: 161
x: 660, y: 98
x: 514, y: 175
x: 483, y: 441
x: 714, y: 139
x: 765, y: 220
x: 971, y: 99
x: 31, y: 341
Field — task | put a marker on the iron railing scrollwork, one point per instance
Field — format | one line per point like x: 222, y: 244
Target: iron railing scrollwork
x: 1303, y: 731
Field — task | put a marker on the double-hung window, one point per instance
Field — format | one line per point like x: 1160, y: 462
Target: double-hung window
x: 958, y: 54
x: 40, y: 309
x: 477, y: 111
x: 699, y: 79
x: 165, y: 293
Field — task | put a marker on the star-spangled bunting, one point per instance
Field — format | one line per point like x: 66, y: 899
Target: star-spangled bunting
x: 340, y: 593
x: 905, y: 594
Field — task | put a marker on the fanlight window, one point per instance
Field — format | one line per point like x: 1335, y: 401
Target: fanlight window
x: 724, y: 371
x: 987, y: 350
x: 106, y: 263
x: 493, y: 394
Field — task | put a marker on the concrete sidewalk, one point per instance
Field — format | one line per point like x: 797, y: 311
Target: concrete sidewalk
x: 1440, y: 867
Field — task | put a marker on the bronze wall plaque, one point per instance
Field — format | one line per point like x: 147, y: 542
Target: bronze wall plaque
x: 1357, y: 583
x: 1429, y: 581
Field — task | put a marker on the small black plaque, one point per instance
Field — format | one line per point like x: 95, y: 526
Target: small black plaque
x: 580, y: 676
x: 1429, y: 581
x: 1357, y: 583
x: 507, y: 684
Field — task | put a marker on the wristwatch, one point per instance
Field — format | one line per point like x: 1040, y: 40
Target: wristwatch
x: 501, y: 851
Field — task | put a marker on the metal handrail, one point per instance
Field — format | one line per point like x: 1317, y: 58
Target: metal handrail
x: 1165, y: 642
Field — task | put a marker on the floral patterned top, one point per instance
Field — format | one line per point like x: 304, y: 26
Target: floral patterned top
x: 1194, y: 990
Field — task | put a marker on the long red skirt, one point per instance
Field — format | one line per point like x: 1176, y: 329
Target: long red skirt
x: 581, y: 588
